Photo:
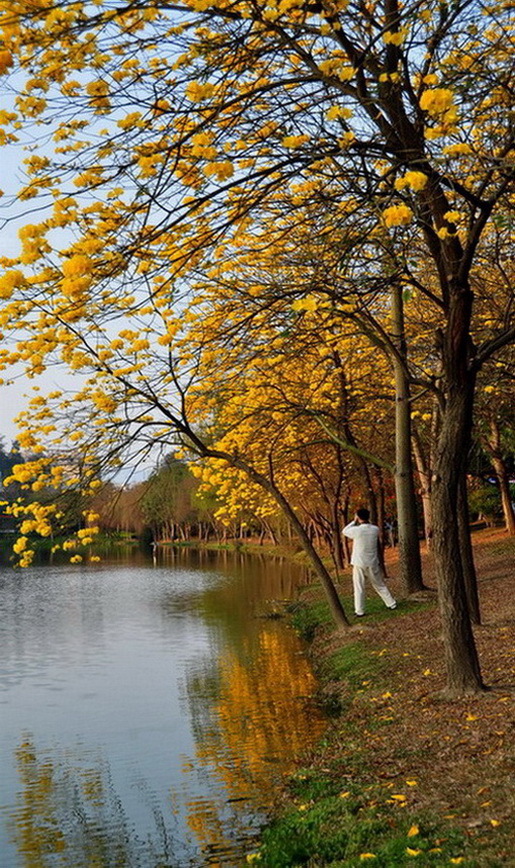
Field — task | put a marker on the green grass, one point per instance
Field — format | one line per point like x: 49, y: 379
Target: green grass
x: 338, y: 813
x: 357, y: 827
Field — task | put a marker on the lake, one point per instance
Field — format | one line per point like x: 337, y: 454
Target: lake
x: 150, y: 709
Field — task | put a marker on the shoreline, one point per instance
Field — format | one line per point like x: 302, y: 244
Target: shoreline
x: 404, y: 774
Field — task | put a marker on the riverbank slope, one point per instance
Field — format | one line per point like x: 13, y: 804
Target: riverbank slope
x: 403, y: 776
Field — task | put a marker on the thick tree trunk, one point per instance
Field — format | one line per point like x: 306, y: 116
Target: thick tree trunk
x: 463, y: 671
x: 494, y: 447
x: 409, y: 547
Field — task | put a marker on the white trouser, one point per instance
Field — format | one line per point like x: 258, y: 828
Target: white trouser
x: 375, y: 576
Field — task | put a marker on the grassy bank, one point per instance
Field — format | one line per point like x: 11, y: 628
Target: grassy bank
x: 402, y: 776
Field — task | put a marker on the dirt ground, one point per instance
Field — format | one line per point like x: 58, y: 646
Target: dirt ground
x: 454, y: 760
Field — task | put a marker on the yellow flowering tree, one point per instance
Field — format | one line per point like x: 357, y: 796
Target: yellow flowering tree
x: 171, y: 131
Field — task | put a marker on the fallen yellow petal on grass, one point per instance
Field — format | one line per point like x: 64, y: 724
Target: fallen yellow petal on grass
x: 364, y: 856
x: 412, y: 783
x: 399, y: 797
x: 411, y: 852
x: 413, y: 831
x: 457, y: 860
x: 345, y: 795
x: 494, y: 822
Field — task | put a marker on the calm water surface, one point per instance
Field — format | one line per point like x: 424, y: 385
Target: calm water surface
x: 148, y: 711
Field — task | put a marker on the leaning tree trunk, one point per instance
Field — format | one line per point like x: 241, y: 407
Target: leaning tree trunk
x: 462, y: 663
x: 409, y: 547
x: 494, y: 447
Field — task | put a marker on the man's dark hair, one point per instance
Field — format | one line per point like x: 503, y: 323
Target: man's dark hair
x: 363, y: 514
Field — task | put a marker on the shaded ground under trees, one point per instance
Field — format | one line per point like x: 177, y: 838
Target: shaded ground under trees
x: 399, y: 751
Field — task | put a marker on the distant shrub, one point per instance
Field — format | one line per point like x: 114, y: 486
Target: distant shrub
x: 485, y: 502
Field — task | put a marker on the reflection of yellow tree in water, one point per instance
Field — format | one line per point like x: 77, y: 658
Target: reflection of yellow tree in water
x: 261, y: 718
x: 71, y: 817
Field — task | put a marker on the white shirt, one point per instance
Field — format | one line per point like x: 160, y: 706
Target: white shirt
x: 365, y: 539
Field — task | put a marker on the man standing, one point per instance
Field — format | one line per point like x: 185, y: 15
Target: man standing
x: 365, y: 561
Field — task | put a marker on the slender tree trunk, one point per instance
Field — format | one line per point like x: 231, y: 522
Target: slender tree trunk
x: 466, y: 552
x: 463, y: 671
x: 494, y: 447
x: 345, y: 427
x: 331, y: 593
x: 381, y: 499
x: 339, y: 556
x: 424, y: 475
x: 268, y: 484
x: 409, y: 545
x: 380, y: 515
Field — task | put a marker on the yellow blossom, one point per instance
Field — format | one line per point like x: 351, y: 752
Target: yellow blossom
x: 397, y: 215
x: 197, y: 92
x: 295, y: 141
x: 395, y: 38
x: 457, y: 150
x: 10, y: 281
x: 437, y: 100
x: 20, y: 545
x: 416, y: 180
x: 309, y: 302
x: 338, y: 111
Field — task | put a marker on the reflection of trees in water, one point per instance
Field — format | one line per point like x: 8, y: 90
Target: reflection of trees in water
x: 259, y: 723
x: 72, y: 817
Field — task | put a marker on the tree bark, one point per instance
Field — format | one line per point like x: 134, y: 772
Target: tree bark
x: 494, y: 447
x: 337, y: 539
x: 424, y: 475
x: 409, y: 546
x: 466, y: 552
x: 331, y: 593
x: 462, y: 663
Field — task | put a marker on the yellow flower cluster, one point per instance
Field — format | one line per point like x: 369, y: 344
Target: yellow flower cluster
x: 337, y: 68
x: 395, y: 37
x: 197, y: 92
x: 338, y: 111
x: 6, y: 61
x: 458, y: 150
x: 308, y: 303
x: 397, y: 215
x: 223, y: 170
x: 10, y: 281
x: 295, y: 141
x: 415, y: 180
x: 438, y: 102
